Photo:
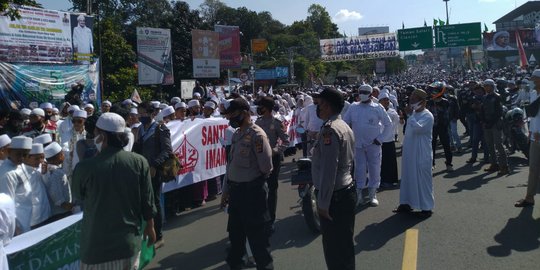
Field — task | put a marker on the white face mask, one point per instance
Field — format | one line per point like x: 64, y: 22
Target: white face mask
x: 100, y: 143
x: 363, y: 97
x: 55, y: 118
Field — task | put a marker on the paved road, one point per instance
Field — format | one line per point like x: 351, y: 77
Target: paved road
x: 474, y: 226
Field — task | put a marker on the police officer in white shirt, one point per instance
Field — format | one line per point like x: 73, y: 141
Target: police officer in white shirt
x: 370, y: 124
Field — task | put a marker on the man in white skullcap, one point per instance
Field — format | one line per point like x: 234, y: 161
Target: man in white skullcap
x: 4, y: 145
x: 133, y: 118
x: 55, y: 116
x: 89, y: 108
x: 209, y: 108
x: 194, y: 108
x: 32, y: 168
x: 70, y: 143
x: 106, y: 106
x: 39, y: 125
x: 180, y: 110
x: 65, y: 128
x: 19, y: 189
x: 371, y: 124
x: 83, y: 42
x: 100, y: 182
x: 47, y: 107
x: 167, y: 114
x: 197, y: 96
x: 175, y: 100
x: 44, y: 139
x: 56, y: 183
x: 7, y: 226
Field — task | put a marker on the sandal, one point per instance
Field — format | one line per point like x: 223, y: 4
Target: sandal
x: 402, y: 208
x: 523, y: 203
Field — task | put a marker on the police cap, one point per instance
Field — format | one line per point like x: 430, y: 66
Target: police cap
x: 333, y: 97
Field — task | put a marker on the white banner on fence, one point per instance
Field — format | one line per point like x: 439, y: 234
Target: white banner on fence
x: 291, y: 122
x: 197, y: 143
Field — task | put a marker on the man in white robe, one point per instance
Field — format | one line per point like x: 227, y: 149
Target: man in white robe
x: 416, y: 191
x: 83, y: 42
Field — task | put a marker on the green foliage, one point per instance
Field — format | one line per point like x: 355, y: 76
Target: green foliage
x: 9, y: 7
x: 123, y: 82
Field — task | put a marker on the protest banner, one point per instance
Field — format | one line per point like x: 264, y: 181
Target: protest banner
x: 154, y: 56
x: 360, y: 47
x: 21, y: 84
x: 205, y: 48
x: 198, y: 145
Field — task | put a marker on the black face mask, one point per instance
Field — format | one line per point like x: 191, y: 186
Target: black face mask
x: 145, y: 119
x: 318, y: 111
x: 236, y: 122
x: 260, y: 110
x: 37, y: 125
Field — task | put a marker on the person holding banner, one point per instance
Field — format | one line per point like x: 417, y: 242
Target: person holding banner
x: 245, y: 190
x: 279, y: 141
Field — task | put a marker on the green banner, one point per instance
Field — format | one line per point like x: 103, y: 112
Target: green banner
x: 58, y: 251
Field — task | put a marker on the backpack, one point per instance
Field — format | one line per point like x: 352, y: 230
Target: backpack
x: 170, y: 168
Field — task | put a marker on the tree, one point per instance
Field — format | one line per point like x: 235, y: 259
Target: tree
x: 209, y: 10
x: 10, y: 7
x: 321, y: 22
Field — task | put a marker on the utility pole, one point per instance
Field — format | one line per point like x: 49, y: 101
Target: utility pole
x: 447, y: 20
x: 89, y: 7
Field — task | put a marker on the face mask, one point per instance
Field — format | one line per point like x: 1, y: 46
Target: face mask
x: 98, y: 144
x: 55, y: 118
x: 37, y: 125
x: 363, y: 97
x: 145, y: 119
x: 260, y: 111
x: 236, y: 121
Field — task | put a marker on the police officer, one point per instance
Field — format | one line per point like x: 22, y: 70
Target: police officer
x: 245, y: 189
x: 275, y: 130
x: 331, y: 172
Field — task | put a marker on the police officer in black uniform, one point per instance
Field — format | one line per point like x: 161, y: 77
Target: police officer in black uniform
x: 245, y: 190
x: 331, y: 172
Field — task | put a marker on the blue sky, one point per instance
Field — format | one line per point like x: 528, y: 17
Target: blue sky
x: 351, y: 14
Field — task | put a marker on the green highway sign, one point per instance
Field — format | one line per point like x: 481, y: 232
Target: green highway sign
x: 458, y: 35
x: 415, y: 38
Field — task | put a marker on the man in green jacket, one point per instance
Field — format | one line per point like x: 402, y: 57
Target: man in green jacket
x: 116, y: 190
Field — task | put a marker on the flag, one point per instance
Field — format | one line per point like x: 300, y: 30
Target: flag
x: 485, y: 28
x: 441, y: 22
x: 402, y: 25
x: 425, y: 24
x: 434, y: 22
x: 135, y: 96
x: 271, y: 91
x: 522, y: 56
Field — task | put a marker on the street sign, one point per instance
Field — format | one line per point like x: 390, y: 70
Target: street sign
x: 244, y: 77
x: 415, y: 38
x: 458, y: 35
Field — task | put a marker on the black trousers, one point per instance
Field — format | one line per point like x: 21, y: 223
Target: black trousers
x: 337, y: 235
x: 158, y: 222
x: 389, y: 169
x: 443, y: 134
x: 249, y: 218
x: 273, y: 187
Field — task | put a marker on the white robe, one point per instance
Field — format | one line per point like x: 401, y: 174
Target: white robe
x: 41, y: 208
x: 416, y: 175
x: 16, y: 184
x: 82, y: 40
x: 7, y: 226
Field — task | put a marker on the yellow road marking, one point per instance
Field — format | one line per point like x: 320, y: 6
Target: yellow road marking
x: 410, y: 251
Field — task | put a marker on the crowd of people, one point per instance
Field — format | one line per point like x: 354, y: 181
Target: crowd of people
x: 109, y: 162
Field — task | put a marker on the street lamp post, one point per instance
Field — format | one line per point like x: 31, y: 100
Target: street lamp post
x: 447, y: 20
x: 252, y: 72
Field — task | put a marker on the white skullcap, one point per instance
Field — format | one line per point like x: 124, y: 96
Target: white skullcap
x: 162, y: 106
x: 52, y: 150
x: 46, y: 105
x: 43, y: 138
x: 33, y: 105
x: 133, y: 111
x: 127, y: 102
x: 26, y: 111
x: 180, y: 105
x: 4, y: 140
x: 197, y: 94
x: 175, y: 100
x: 210, y: 104
x: 80, y: 113
x: 56, y: 110
x: 21, y: 142
x: 38, y: 111
x: 73, y: 108
x: 384, y: 95
x: 192, y: 103
x: 155, y: 104
x: 80, y: 17
x: 37, y: 148
x: 167, y: 111
x: 536, y: 73
x: 106, y: 102
x: 111, y: 122
x: 489, y: 82
x: 88, y: 106
x: 365, y: 87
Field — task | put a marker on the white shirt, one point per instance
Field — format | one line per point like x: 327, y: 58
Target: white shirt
x: 369, y: 121
x: 312, y: 121
x: 82, y: 39
x: 131, y: 140
x: 394, y: 118
x: 41, y: 209
x: 534, y: 122
x: 7, y: 226
x: 58, y: 188
x: 16, y: 184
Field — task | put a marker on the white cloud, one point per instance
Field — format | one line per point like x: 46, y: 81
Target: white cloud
x: 346, y: 15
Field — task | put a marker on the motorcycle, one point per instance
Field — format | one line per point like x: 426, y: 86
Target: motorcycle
x: 306, y: 192
x: 514, y: 120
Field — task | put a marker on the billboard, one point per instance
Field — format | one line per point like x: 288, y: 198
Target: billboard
x: 186, y: 88
x: 40, y: 35
x: 229, y: 46
x: 506, y: 40
x: 154, y: 57
x: 373, y: 30
x: 21, y: 84
x: 361, y: 47
x: 205, y: 54
x: 259, y: 45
